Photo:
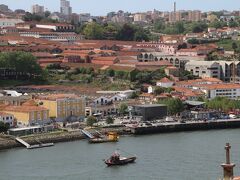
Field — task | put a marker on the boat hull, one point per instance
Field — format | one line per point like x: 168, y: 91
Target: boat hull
x: 121, y: 161
x: 101, y: 140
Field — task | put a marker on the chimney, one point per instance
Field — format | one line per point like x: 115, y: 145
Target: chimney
x: 228, y: 166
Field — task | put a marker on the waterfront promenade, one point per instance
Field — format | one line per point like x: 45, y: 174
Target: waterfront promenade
x: 7, y: 142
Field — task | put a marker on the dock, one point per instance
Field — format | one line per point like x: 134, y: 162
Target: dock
x: 187, y: 126
x: 97, y: 137
x: 28, y: 146
x: 22, y: 142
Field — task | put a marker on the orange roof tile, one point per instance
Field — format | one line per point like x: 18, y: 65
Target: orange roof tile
x: 219, y: 86
x: 165, y: 80
x: 54, y: 97
x: 24, y: 108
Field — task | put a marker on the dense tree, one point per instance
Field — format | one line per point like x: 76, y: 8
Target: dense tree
x: 123, y: 108
x: 223, y: 104
x: 32, y: 17
x: 126, y: 33
x: 91, y: 120
x: 174, y: 105
x: 233, y: 24
x: 199, y: 27
x: 22, y: 62
x: 109, y: 120
x: 4, y: 127
x: 110, y: 72
x: 133, y: 95
x: 159, y: 90
x: 93, y: 31
x: 141, y: 35
x: 217, y: 24
x: 179, y: 27
x: 159, y: 26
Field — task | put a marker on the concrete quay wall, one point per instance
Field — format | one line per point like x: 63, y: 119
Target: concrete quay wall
x: 179, y: 127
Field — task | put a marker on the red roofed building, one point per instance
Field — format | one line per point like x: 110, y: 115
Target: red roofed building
x: 108, y: 60
x: 165, y: 82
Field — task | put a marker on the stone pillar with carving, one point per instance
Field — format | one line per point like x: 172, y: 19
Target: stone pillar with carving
x: 228, y: 166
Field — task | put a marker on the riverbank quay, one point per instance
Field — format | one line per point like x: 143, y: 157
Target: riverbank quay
x: 186, y: 126
x: 8, y: 142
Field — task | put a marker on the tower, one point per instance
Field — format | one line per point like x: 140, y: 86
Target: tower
x: 175, y: 6
x: 65, y: 7
x: 228, y: 166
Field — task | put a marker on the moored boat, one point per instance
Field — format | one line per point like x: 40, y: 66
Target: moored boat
x: 116, y: 159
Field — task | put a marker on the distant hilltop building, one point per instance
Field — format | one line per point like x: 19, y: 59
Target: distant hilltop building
x: 65, y: 7
x: 194, y: 15
x: 37, y: 9
x: 3, y: 8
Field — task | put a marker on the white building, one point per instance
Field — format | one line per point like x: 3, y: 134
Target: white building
x: 231, y: 91
x: 7, y: 118
x: 150, y: 89
x: 5, y: 22
x: 37, y: 9
x: 60, y: 27
x: 12, y: 93
x: 165, y: 82
x: 65, y: 8
x: 204, y: 68
x: 140, y: 17
x: 103, y: 100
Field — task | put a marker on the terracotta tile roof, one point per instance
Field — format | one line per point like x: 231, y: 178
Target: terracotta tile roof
x: 105, y: 58
x: 117, y: 67
x: 30, y: 103
x: 54, y: 97
x: 155, y: 63
x: 24, y: 108
x: 5, y: 114
x: 171, y: 67
x: 218, y: 86
x: 199, y: 81
x: 165, y: 80
x: 42, y: 54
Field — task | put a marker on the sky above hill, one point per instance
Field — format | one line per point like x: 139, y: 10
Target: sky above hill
x: 101, y: 7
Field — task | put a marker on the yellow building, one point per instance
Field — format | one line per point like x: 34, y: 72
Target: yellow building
x: 28, y: 113
x: 63, y: 106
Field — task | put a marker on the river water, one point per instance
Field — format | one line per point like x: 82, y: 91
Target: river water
x: 174, y: 156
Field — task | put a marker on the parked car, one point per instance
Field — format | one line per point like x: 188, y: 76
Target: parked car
x: 232, y: 116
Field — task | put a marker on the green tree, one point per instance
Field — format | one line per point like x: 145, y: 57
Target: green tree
x: 4, y: 127
x: 134, y: 95
x: 217, y: 24
x: 91, y: 120
x: 109, y: 120
x: 110, y: 31
x: 179, y: 27
x: 126, y: 33
x: 234, y: 46
x: 159, y: 90
x: 123, y: 108
x: 233, y: 24
x: 22, y: 62
x: 93, y: 31
x: 199, y: 27
x: 141, y: 35
x: 174, y: 105
x: 159, y: 26
x: 110, y: 72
